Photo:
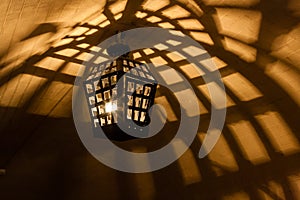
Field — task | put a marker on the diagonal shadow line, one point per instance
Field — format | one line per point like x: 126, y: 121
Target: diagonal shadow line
x: 286, y: 186
x: 251, y: 175
x: 51, y: 52
x: 265, y: 53
x: 32, y: 132
x: 130, y: 9
x: 167, y: 93
x: 256, y: 77
x: 270, y: 192
x: 245, y: 111
x: 29, y: 68
x: 109, y: 15
x: 209, y: 23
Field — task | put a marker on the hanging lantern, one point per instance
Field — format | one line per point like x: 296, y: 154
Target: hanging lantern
x: 127, y: 102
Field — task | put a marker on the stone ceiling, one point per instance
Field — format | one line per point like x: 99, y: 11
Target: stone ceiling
x: 254, y: 44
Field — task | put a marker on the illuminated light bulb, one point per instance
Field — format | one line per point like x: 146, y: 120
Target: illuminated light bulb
x: 109, y: 107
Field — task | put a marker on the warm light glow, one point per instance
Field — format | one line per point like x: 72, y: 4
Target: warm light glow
x: 221, y: 155
x: 287, y: 79
x: 50, y: 63
x: 190, y: 24
x: 109, y: 107
x: 188, y: 164
x: 242, y: 87
x: 68, y: 52
x: 246, y: 29
x: 176, y: 12
x: 163, y: 101
x: 279, y: 133
x: 79, y: 31
x: 118, y: 7
x: 242, y: 50
x: 239, y: 3
x: 251, y: 145
x: 153, y: 19
x: 218, y: 94
x: 202, y: 37
x: 13, y: 92
x: 170, y: 76
x: 155, y: 5
x: 166, y: 25
x: 191, y: 70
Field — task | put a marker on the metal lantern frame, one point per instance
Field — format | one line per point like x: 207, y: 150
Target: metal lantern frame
x: 120, y: 91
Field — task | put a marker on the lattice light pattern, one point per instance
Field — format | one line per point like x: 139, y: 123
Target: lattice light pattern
x: 128, y: 101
